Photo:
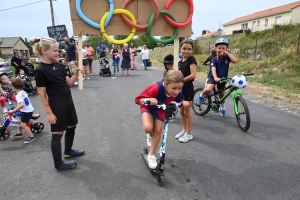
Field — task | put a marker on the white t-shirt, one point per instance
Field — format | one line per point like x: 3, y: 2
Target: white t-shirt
x: 145, y: 54
x: 83, y: 51
x: 22, y: 96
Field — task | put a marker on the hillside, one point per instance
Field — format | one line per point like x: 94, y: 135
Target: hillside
x: 271, y: 55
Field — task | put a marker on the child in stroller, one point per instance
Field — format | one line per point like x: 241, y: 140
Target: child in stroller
x: 28, y: 87
x: 104, y: 67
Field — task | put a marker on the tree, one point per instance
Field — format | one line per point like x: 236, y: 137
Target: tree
x: 203, y: 32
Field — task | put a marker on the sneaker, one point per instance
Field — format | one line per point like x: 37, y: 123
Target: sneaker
x: 91, y: 74
x: 152, y: 162
x: 29, y: 139
x: 74, y: 153
x: 170, y: 119
x: 223, y: 113
x: 76, y: 83
x: 149, y: 139
x: 5, y: 110
x: 18, y: 135
x: 185, y: 138
x: 200, y: 100
x: 66, y: 165
x: 179, y: 135
x: 87, y: 78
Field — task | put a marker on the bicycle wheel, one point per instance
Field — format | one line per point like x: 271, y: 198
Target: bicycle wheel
x: 243, y: 114
x: 206, y: 103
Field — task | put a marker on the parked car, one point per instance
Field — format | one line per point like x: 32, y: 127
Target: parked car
x: 5, y: 68
x: 139, y: 49
x: 35, y: 60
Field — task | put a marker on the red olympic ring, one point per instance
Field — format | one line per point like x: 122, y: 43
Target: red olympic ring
x: 140, y: 27
x: 189, y: 19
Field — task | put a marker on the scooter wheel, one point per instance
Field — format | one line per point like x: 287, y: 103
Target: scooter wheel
x: 37, y: 127
x: 160, y: 179
x: 5, y: 134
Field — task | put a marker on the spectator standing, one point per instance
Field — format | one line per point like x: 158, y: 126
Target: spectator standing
x: 125, y: 59
x: 16, y: 61
x: 133, y: 55
x: 71, y: 56
x: 145, y: 56
x: 101, y: 51
x: 89, y: 55
x: 115, y: 52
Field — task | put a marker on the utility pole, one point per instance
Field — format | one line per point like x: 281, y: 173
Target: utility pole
x: 52, y: 15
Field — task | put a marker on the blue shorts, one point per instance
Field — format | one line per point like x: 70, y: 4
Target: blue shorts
x: 25, y: 117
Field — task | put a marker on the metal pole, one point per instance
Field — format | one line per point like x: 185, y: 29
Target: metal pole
x: 52, y: 15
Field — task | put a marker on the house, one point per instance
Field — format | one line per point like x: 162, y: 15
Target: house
x: 12, y: 44
x: 262, y: 20
x: 210, y: 34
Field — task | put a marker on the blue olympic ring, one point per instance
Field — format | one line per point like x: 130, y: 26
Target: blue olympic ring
x: 90, y: 22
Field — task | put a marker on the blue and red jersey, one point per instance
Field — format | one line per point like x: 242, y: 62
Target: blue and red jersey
x: 156, y: 90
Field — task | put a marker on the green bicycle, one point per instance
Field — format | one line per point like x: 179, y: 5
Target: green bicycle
x: 212, y: 101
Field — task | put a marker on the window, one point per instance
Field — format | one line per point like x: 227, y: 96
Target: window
x: 245, y: 26
x: 254, y: 26
x: 258, y: 23
x: 266, y: 22
x: 278, y: 20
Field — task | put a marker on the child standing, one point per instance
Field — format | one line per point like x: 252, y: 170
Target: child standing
x: 219, y: 69
x: 53, y: 85
x: 25, y: 108
x: 168, y: 62
x: 152, y: 117
x: 7, y: 91
x: 187, y: 65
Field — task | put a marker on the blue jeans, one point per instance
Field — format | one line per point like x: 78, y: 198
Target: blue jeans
x: 116, y: 66
x: 145, y: 61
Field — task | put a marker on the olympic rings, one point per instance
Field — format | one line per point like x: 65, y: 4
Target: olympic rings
x: 118, y: 11
x: 189, y: 19
x: 150, y: 26
x: 140, y: 27
x: 90, y: 22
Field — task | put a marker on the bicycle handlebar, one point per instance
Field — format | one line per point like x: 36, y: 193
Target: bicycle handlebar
x: 160, y: 104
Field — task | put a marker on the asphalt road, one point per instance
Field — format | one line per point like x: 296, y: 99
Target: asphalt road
x: 221, y: 162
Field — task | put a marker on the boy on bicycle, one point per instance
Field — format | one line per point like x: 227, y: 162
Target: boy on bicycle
x: 219, y: 69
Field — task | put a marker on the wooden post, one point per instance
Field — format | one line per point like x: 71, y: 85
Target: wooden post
x: 80, y: 78
x: 176, y: 52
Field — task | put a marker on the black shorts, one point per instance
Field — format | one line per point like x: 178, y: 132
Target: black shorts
x: 25, y: 116
x: 220, y: 86
x: 65, y: 117
x: 85, y: 62
x: 90, y: 60
x: 188, y: 91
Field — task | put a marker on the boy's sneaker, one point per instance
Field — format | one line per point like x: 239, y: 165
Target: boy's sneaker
x: 223, y: 113
x: 149, y: 139
x: 185, y: 138
x: 152, y: 161
x: 170, y: 119
x: 18, y: 135
x: 200, y: 100
x: 29, y: 139
x: 74, y: 153
x: 5, y: 110
x: 66, y: 165
x: 179, y: 135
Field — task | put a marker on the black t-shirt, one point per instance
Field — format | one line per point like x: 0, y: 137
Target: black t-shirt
x: 53, y: 77
x: 184, y: 66
x: 70, y: 51
x: 16, y: 60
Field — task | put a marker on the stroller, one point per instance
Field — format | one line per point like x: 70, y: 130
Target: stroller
x: 104, y: 67
x: 28, y: 87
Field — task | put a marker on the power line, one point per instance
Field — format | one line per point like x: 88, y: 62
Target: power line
x: 22, y: 5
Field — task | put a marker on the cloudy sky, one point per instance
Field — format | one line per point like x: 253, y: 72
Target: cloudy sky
x: 19, y: 19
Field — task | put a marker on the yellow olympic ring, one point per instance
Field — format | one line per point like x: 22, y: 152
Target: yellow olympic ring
x: 118, y: 11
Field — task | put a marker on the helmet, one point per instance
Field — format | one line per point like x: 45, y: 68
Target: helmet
x: 222, y: 41
x: 180, y: 55
x: 169, y: 59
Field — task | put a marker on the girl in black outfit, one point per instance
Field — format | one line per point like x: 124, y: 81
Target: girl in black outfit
x: 53, y: 85
x: 187, y: 65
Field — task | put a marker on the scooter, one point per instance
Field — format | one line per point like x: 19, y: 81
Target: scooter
x: 13, y: 120
x: 159, y: 170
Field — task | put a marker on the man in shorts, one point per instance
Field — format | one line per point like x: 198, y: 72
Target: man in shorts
x: 71, y: 56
